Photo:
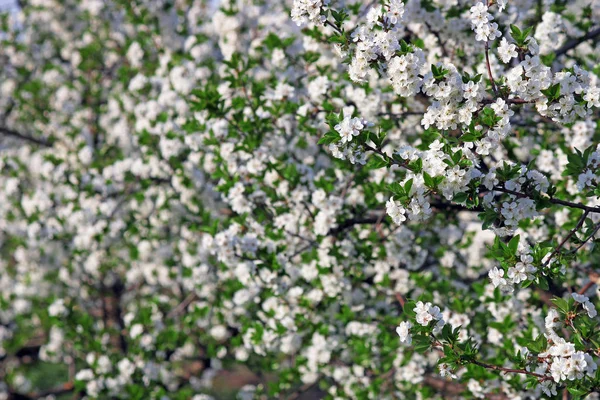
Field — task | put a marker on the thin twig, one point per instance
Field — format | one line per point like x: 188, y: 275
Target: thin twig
x: 63, y: 389
x: 386, y: 157
x: 182, y: 306
x: 400, y: 300
x: 439, y: 38
x: 489, y: 68
x: 354, y: 221
x: 576, y: 42
x: 10, y: 132
x: 302, y: 390
x: 511, y: 370
x: 329, y: 23
x: 586, y: 287
x: 570, y: 235
x: 349, y: 184
x: 551, y: 200
x: 576, y: 249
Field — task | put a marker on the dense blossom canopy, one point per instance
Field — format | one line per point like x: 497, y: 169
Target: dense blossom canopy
x: 300, y: 199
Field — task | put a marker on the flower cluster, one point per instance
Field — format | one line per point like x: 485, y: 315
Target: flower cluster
x: 562, y: 359
x: 403, y: 72
x: 569, y: 364
x: 403, y: 331
x: 350, y: 127
x: 496, y: 276
x: 376, y: 39
x: 587, y: 305
x: 481, y: 23
x: 426, y: 313
x: 304, y: 11
x: 590, y: 175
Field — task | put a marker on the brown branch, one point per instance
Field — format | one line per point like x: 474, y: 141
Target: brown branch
x: 181, y: 307
x: 487, y: 59
x: 451, y: 389
x: 511, y: 370
x: 11, y: 132
x: 489, y: 68
x: 350, y: 223
x: 575, y: 250
x: 442, y: 385
x: 301, y: 390
x: 378, y: 228
x: 576, y: 42
x: 329, y: 23
x: 400, y: 299
x: 575, y: 205
x: 63, y: 389
x: 594, y: 277
x: 116, y: 294
x: 551, y: 200
x: 301, y: 237
x: 439, y: 39
x: 349, y: 183
x: 570, y: 235
x: 586, y: 287
x: 307, y: 208
x: 516, y: 100
x: 300, y: 250
x: 401, y: 114
x: 386, y: 157
x: 455, y: 207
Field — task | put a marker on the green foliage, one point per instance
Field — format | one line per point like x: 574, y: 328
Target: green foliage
x: 520, y: 37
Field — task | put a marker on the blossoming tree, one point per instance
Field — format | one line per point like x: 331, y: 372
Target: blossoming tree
x: 298, y: 200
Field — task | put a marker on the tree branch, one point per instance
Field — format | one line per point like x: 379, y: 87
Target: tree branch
x: 576, y: 42
x: 181, y: 307
x: 329, y: 23
x: 63, y: 389
x: 551, y: 200
x: 566, y: 239
x: 510, y: 370
x: 10, y: 132
x: 489, y: 68
x: 386, y: 157
x: 350, y: 223
x: 575, y: 250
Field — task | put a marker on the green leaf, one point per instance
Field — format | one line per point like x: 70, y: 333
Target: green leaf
x: 561, y: 304
x: 429, y: 182
x: 408, y: 186
x: 272, y: 41
x: 513, y: 244
x: 330, y: 137
x: 488, y: 217
x: 515, y: 32
x: 397, y: 190
x: 488, y: 117
x: 470, y: 137
x: 553, y: 92
x: 438, y: 72
x: 416, y: 166
x: 539, y: 344
x: 376, y: 162
x: 421, y: 343
x: 457, y: 156
x: 337, y: 39
x: 327, y: 106
x: 408, y: 308
x: 577, y: 391
x: 460, y: 197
